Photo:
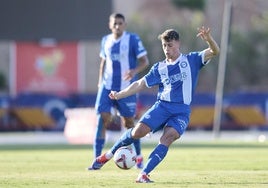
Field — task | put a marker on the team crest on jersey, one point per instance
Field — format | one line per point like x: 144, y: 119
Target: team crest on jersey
x: 123, y: 47
x: 183, y: 64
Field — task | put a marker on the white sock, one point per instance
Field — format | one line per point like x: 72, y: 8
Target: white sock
x: 109, y: 155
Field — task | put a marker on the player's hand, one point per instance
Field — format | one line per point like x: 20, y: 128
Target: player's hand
x: 129, y: 75
x: 204, y: 33
x: 113, y: 95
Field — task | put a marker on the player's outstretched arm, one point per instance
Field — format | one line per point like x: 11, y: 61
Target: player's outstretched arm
x: 135, y: 87
x: 213, y: 48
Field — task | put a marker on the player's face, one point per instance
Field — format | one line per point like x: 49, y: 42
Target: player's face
x: 117, y: 26
x: 171, y: 49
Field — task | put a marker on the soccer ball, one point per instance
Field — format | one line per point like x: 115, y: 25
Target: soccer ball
x: 125, y: 157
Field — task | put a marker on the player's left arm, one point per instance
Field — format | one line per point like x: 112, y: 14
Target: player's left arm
x: 213, y: 48
x: 143, y: 64
x: 133, y: 88
x: 141, y: 54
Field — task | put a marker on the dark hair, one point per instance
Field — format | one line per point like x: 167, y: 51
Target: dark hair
x: 117, y: 15
x: 169, y: 35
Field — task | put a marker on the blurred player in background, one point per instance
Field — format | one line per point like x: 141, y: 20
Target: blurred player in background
x: 176, y: 77
x: 123, y: 56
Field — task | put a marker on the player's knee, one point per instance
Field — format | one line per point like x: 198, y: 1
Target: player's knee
x: 106, y: 118
x: 128, y: 123
x: 140, y: 131
x: 168, y: 139
x: 128, y: 126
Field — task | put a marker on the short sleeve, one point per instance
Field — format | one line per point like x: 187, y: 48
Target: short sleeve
x: 102, y: 51
x: 152, y: 77
x: 196, y: 59
x: 139, y: 48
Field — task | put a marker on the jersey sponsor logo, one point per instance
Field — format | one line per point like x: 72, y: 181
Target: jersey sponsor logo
x: 115, y: 57
x: 166, y: 81
x: 175, y: 78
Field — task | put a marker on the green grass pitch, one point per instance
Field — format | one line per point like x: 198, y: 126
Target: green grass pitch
x: 212, y: 164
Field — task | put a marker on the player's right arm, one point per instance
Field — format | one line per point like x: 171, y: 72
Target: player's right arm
x: 133, y: 88
x: 102, y: 65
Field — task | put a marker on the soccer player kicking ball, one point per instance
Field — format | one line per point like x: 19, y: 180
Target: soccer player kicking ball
x: 176, y: 77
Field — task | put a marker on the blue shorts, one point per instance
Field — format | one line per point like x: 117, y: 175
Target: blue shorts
x: 170, y: 114
x: 126, y: 106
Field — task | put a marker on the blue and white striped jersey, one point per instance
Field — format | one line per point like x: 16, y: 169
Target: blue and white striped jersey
x: 177, y: 80
x: 120, y: 55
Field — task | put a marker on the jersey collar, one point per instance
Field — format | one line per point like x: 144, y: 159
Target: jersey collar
x: 174, y: 62
x: 117, y: 40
